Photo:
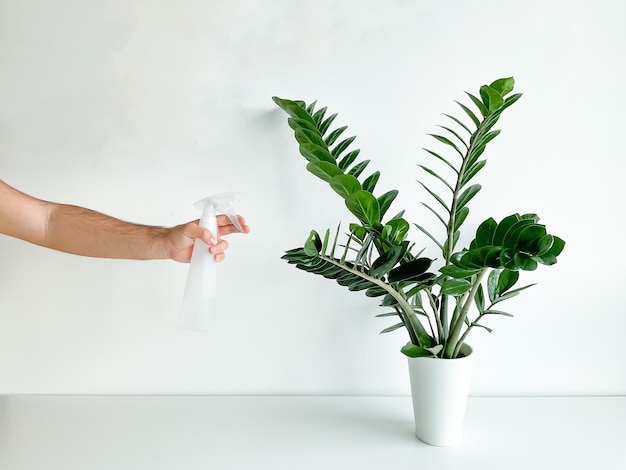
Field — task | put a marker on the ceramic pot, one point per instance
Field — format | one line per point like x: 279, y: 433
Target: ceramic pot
x: 439, y: 388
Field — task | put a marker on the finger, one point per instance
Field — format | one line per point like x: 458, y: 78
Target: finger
x: 220, y: 247
x: 226, y: 226
x: 192, y: 231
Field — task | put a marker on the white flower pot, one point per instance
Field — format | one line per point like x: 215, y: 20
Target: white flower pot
x: 440, y: 388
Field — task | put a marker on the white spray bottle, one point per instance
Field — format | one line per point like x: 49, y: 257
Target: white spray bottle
x: 201, y: 281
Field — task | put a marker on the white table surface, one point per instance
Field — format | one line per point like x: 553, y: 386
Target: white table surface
x: 219, y: 432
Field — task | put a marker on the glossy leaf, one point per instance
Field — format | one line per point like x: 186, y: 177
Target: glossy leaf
x: 458, y: 273
x: 347, y: 160
x: 344, y: 185
x: 479, y: 299
x: 370, y: 182
x: 461, y: 215
x: 412, y: 350
x: 472, y: 171
x: 455, y: 286
x: 467, y: 195
x: 364, y: 206
x: 324, y: 170
x: 410, y: 271
x: 325, y: 125
x: 357, y: 169
x: 315, y: 153
x: 334, y: 135
x: 479, y: 104
x: 319, y: 116
x: 341, y: 146
x: 470, y: 113
x: 313, y: 245
x: 385, y: 201
x: 385, y: 262
x: 503, y: 86
x: 395, y: 230
x: 392, y: 328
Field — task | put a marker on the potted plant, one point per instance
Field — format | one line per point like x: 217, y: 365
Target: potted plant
x: 439, y: 307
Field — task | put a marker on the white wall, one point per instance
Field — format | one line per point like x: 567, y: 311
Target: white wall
x: 138, y: 108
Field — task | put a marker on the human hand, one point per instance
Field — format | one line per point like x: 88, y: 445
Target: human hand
x: 180, y: 239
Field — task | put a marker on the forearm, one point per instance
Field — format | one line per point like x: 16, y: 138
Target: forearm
x: 85, y: 232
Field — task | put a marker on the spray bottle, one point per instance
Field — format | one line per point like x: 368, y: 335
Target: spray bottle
x: 201, y: 288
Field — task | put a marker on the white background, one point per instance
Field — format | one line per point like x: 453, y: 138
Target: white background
x: 140, y: 108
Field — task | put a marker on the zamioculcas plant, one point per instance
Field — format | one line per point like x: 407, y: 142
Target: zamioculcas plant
x: 438, y: 309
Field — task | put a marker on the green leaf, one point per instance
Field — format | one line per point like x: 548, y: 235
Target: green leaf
x: 325, y: 243
x: 556, y: 248
x: 357, y: 169
x: 455, y: 134
x: 347, y: 160
x: 467, y: 195
x: 483, y: 257
x: 296, y: 123
x: 470, y: 113
x: 492, y: 284
x: 483, y: 139
x: 358, y: 232
x: 432, y: 173
x: 429, y: 235
x: 323, y: 127
x: 345, y: 185
x: 503, y: 227
x: 293, y: 108
x: 455, y: 287
x: 313, y: 245
x: 324, y: 170
x: 491, y: 98
x: 503, y: 86
x: 530, y: 236
x: 434, y: 195
x: 459, y: 122
x: 370, y: 182
x: 497, y: 312
x: 305, y: 136
x: 315, y: 153
x: 446, y: 141
x: 439, y: 157
x: 525, y: 262
x: 388, y: 314
x: 461, y: 215
x: 479, y: 299
x: 392, y: 328
x: 479, y: 104
x: 319, y: 116
x: 334, y: 135
x: 410, y: 271
x: 510, y: 294
x: 425, y: 340
x: 341, y: 146
x: 485, y: 233
x: 385, y: 201
x: 472, y: 171
x: 506, y: 280
x: 364, y: 206
x: 412, y: 350
x: 395, y: 230
x: 385, y: 262
x: 458, y: 273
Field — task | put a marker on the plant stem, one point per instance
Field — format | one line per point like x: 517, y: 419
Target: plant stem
x: 433, y: 306
x: 413, y: 321
x: 457, y: 323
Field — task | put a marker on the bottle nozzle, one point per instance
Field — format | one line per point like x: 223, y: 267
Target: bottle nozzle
x: 223, y: 203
